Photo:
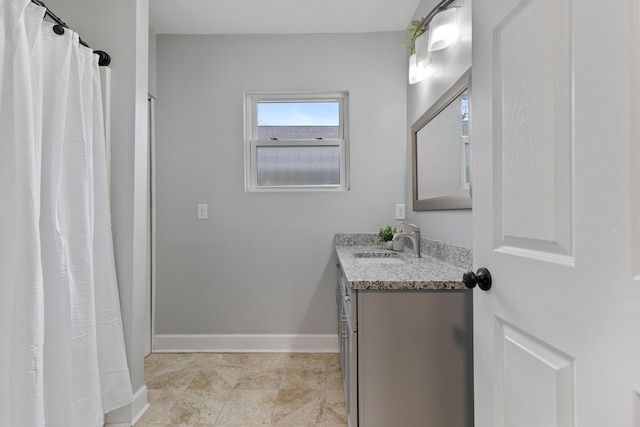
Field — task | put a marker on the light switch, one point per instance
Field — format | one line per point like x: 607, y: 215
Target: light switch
x: 400, y: 211
x: 202, y: 211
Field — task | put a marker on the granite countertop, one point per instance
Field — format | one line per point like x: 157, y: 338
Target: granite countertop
x: 425, y: 273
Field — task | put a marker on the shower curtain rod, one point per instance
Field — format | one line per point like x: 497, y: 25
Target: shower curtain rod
x: 103, y: 57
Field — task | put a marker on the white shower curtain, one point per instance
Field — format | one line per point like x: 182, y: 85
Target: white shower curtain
x: 62, y: 354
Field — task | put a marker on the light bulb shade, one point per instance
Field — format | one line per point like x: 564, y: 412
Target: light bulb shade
x: 423, y: 56
x: 443, y: 29
x: 416, y: 74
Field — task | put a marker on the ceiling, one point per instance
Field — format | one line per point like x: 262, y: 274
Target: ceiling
x: 279, y: 16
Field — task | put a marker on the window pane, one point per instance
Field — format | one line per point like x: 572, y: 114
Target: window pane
x: 464, y: 114
x: 298, y: 132
x: 298, y: 120
x: 285, y: 166
x: 464, y: 121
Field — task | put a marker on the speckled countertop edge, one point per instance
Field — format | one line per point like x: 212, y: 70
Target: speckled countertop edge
x: 414, y: 273
x: 459, y: 256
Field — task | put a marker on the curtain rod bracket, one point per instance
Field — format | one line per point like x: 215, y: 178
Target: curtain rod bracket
x: 103, y: 57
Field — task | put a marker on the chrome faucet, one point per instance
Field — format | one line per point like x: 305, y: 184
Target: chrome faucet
x: 414, y: 236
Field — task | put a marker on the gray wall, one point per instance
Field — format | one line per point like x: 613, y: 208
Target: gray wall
x: 264, y: 263
x: 120, y: 27
x: 447, y: 66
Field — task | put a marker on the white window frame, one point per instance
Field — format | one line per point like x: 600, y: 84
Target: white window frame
x: 251, y: 141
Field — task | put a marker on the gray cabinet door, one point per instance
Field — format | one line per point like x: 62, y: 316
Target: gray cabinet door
x: 415, y: 358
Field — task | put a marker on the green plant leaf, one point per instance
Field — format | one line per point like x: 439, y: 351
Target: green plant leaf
x: 386, y: 234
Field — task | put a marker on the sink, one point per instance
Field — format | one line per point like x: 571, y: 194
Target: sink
x: 377, y: 258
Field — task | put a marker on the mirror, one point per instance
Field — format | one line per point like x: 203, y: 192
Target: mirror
x: 440, y: 152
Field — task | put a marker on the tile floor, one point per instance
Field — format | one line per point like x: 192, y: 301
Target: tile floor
x: 244, y: 390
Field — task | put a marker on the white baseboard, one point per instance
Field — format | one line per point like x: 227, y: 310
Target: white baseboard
x: 129, y: 414
x: 247, y: 343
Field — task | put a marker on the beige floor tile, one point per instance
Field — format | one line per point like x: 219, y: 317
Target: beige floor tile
x: 215, y: 378
x: 255, y: 378
x: 334, y: 381
x: 334, y: 362
x: 262, y: 371
x: 244, y: 390
x: 231, y: 359
x: 271, y: 425
x: 307, y: 360
x: 160, y: 403
x: 177, y: 425
x: 299, y: 407
x: 304, y: 378
x: 334, y: 375
x: 160, y: 365
x: 198, y: 407
x: 164, y: 358
x: 335, y: 410
x: 271, y: 360
x: 333, y: 358
x: 173, y: 378
x: 248, y: 407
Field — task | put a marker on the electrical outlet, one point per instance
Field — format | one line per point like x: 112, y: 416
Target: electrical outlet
x: 400, y: 211
x: 202, y: 211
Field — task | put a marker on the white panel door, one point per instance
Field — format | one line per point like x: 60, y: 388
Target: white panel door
x: 556, y: 208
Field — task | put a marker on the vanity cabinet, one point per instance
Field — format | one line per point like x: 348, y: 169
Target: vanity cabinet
x: 348, y: 329
x: 407, y: 356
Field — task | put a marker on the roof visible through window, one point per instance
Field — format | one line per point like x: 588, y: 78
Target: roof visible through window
x: 298, y: 120
x: 298, y: 132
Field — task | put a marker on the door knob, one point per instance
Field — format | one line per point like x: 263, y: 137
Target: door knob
x: 482, y: 278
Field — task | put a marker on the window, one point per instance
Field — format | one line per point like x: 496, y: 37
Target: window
x: 464, y: 136
x: 296, y: 142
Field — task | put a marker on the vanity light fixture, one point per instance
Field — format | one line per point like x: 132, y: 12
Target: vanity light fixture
x: 416, y: 74
x: 443, y: 29
x: 434, y: 32
x: 423, y: 55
